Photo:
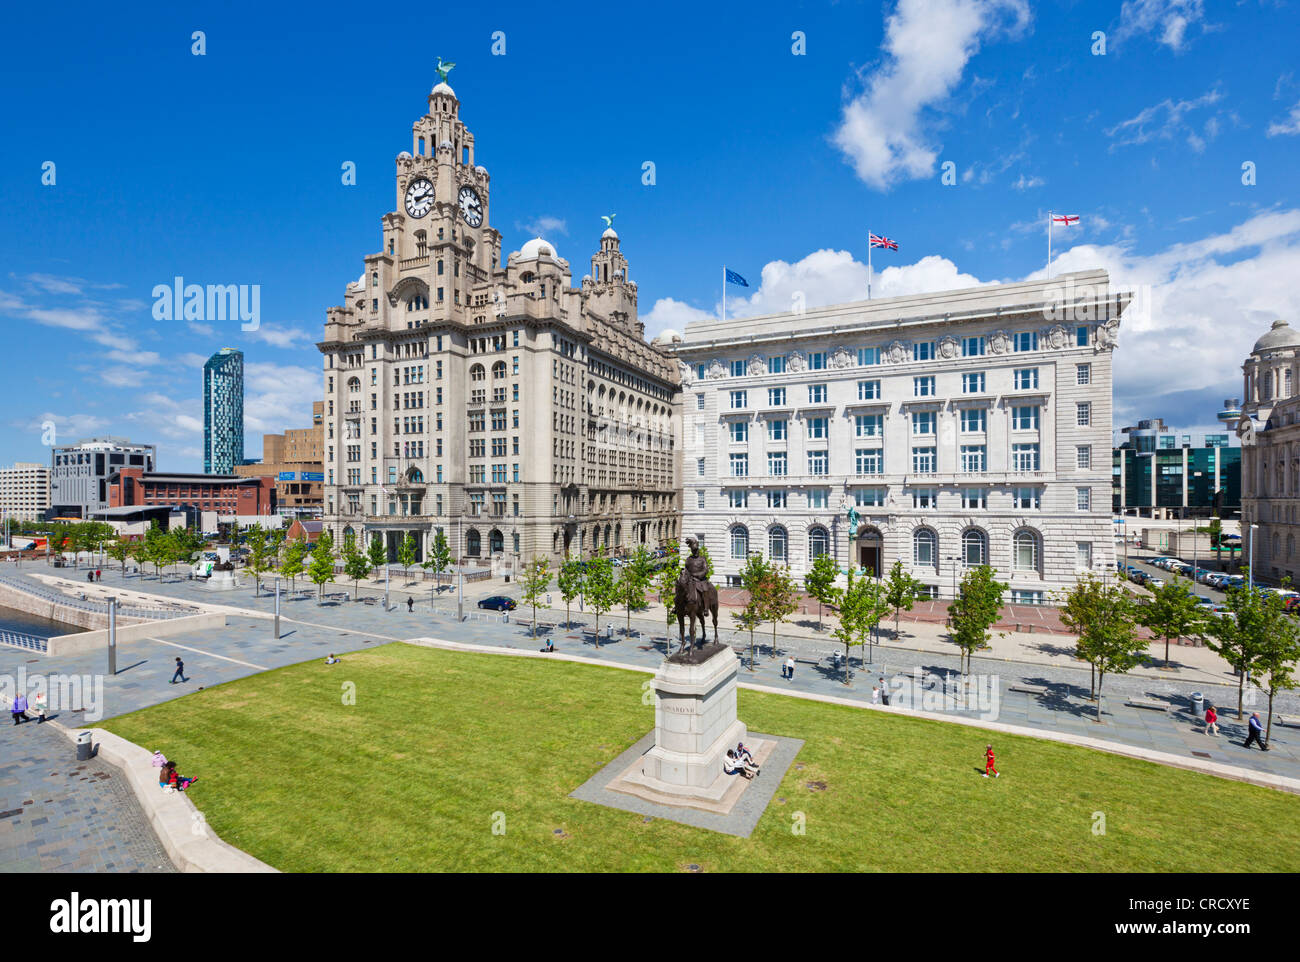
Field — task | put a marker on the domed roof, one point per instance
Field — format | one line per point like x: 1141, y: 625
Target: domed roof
x: 667, y: 337
x: 1279, y: 336
x: 609, y: 232
x: 442, y: 88
x: 535, y: 248
x: 404, y: 155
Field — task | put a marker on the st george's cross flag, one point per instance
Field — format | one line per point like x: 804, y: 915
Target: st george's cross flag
x: 1066, y: 219
x: 734, y: 278
x: 885, y: 242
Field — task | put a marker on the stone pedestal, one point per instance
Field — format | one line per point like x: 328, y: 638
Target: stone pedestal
x: 695, y: 724
x: 221, y: 581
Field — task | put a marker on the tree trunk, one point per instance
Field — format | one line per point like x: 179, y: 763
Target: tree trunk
x: 1166, y: 652
x: 1268, y: 731
x: 1100, y: 680
x: 1241, y: 686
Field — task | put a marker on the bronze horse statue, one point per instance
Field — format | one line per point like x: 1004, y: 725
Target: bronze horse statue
x: 695, y: 596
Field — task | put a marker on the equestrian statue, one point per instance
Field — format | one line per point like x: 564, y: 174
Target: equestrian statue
x: 695, y: 596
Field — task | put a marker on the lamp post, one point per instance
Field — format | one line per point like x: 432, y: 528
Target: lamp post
x: 1250, y: 563
x: 277, y: 608
x: 112, y: 636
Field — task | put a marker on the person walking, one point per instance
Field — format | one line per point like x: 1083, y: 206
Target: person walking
x: 180, y: 672
x: 884, y: 692
x: 1256, y: 730
x: 410, y: 604
x: 789, y: 667
x: 39, y: 706
x: 98, y: 575
x: 1211, y: 720
x: 875, y: 694
x: 988, y: 762
x: 19, y: 709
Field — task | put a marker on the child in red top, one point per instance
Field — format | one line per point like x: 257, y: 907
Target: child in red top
x: 988, y: 763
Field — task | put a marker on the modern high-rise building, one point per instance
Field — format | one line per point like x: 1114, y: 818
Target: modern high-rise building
x: 223, y: 412
x: 963, y: 428
x: 1163, y: 473
x: 25, y: 491
x: 293, y: 459
x: 492, y: 400
x: 80, y: 472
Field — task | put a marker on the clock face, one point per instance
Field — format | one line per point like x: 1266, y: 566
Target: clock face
x: 471, y: 208
x: 419, y: 197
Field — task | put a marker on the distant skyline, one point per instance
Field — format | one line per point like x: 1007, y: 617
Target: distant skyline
x: 778, y: 136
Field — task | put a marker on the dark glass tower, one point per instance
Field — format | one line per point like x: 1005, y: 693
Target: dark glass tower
x: 223, y: 411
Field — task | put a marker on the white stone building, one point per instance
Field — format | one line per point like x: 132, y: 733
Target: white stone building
x: 25, y: 491
x: 491, y: 399
x: 964, y: 427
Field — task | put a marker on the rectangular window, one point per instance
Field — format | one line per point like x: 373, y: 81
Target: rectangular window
x: 974, y: 499
x: 1024, y: 457
x: 1083, y: 457
x: 776, y: 499
x: 972, y: 382
x: 1025, y: 341
x: 816, y: 393
x: 974, y: 420
x: 818, y: 462
x: 737, y: 499
x: 739, y: 399
x: 1083, y: 499
x: 1026, y: 499
x: 817, y: 497
x: 776, y: 364
x: 1083, y: 413
x: 972, y: 347
x: 1083, y: 555
x: 737, y: 368
x: 739, y: 465
x: 699, y: 467
x: 817, y: 428
x: 699, y: 402
x: 868, y: 425
x: 868, y: 356
x: 1026, y: 378
x: 923, y: 460
x: 923, y: 386
x: 923, y: 351
x: 869, y: 497
x: 974, y: 458
x: 776, y: 464
x: 870, y: 461
x: 699, y: 372
x: 1083, y: 374
x: 1024, y: 418
x: 868, y: 390
x: 776, y: 397
x: 776, y: 430
x: 1022, y: 596
x: 739, y: 432
x: 1081, y: 336
x: 817, y: 361
x: 923, y: 422
x: 924, y: 498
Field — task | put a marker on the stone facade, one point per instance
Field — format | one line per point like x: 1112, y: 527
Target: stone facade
x: 965, y: 427
x: 1269, y: 429
x: 491, y: 400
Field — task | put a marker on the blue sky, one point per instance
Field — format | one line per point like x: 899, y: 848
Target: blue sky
x: 225, y: 169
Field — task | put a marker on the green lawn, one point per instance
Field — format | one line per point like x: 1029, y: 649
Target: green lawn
x: 410, y: 776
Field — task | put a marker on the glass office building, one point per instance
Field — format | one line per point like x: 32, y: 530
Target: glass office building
x: 223, y: 411
x: 1159, y: 472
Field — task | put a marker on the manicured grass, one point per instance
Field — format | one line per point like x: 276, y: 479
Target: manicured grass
x: 410, y: 777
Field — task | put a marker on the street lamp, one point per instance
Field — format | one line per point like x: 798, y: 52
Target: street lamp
x: 1250, y: 564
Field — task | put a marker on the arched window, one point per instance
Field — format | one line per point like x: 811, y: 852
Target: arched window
x: 974, y: 548
x: 498, y: 370
x: 1277, y: 547
x: 740, y: 542
x: 819, y: 543
x: 496, y: 542
x: 418, y: 302
x: 618, y: 535
x: 478, y: 373
x: 1290, y: 546
x: 348, y: 534
x: 473, y: 543
x: 354, y: 385
x: 1024, y: 550
x: 414, y: 475
x: 777, y: 542
x: 925, y: 548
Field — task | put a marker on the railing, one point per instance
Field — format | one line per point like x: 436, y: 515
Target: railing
x: 98, y: 607
x: 19, y: 640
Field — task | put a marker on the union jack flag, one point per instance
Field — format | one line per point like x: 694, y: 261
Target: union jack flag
x: 1066, y: 219
x: 884, y: 242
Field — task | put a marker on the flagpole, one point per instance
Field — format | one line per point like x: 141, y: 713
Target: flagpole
x: 1049, y: 243
x: 724, y: 296
x: 868, y: 263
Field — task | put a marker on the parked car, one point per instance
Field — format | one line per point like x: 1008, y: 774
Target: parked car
x: 1155, y: 582
x: 1204, y: 600
x: 498, y: 603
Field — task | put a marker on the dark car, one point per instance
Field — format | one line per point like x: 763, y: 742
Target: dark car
x: 498, y: 603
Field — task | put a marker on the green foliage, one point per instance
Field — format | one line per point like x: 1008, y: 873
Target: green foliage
x: 634, y: 581
x: 1173, y: 612
x: 1104, y: 618
x: 294, y: 561
x: 754, y: 578
x: 820, y: 582
x: 406, y: 554
x: 570, y: 578
x: 439, y: 556
x: 975, y: 609
x: 708, y: 561
x: 1276, y: 664
x: 534, y: 582
x: 847, y: 631
x: 901, y: 591
x: 321, y: 569
x: 119, y: 551
x: 377, y: 551
x: 260, y: 553
x: 1242, y: 636
x: 356, y: 564
x: 666, y: 584
x: 780, y: 599
x: 600, y: 589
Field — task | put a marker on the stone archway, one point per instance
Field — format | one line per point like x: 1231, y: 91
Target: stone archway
x: 869, y: 550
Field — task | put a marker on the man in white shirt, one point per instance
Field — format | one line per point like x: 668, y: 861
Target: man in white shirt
x: 789, y: 667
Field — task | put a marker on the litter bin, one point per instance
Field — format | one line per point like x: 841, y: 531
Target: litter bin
x: 507, y: 579
x: 1198, y: 704
x: 83, y: 746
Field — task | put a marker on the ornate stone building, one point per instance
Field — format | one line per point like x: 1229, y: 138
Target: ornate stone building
x: 491, y: 398
x: 1269, y: 429
x: 965, y: 427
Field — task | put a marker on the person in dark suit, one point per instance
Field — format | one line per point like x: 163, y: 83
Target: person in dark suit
x: 1256, y: 730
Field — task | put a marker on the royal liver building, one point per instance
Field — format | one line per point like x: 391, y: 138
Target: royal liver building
x: 961, y: 428
x: 491, y: 400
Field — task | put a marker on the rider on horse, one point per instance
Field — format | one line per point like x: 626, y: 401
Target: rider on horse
x: 693, y: 579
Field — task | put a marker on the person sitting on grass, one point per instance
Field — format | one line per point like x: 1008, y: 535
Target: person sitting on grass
x: 731, y: 765
x: 168, y: 776
x: 331, y: 660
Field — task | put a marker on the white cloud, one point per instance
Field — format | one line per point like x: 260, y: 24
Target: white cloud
x: 206, y: 330
x: 1167, y: 20
x: 1027, y: 183
x: 148, y: 358
x: 67, y: 427
x: 885, y: 131
x: 545, y: 224
x: 670, y: 314
x: 1165, y: 121
x: 276, y: 336
x: 1291, y: 125
x: 279, y: 396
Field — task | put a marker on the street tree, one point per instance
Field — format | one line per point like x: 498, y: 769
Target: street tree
x: 780, y: 599
x: 260, y: 559
x: 1241, y: 635
x: 1104, y: 618
x: 119, y: 551
x: 570, y: 578
x: 975, y: 610
x: 294, y: 560
x: 439, y: 558
x: 321, y: 570
x: 356, y: 564
x: 848, y: 631
x: 634, y: 582
x: 1173, y: 612
x: 901, y: 591
x: 600, y: 589
x: 536, y: 579
x: 872, y: 607
x: 754, y: 579
x: 377, y: 552
x: 666, y: 587
x: 406, y: 556
x: 1276, y: 666
x: 820, y: 583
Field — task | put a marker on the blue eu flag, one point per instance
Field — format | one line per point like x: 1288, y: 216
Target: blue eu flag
x: 734, y: 278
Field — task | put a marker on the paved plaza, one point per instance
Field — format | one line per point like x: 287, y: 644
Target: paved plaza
x: 916, y: 664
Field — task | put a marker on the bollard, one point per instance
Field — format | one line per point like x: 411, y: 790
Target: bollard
x: 83, y: 746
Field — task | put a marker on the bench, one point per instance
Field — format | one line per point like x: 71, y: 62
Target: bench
x: 1149, y: 705
x: 1029, y: 689
x: 1288, y: 721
